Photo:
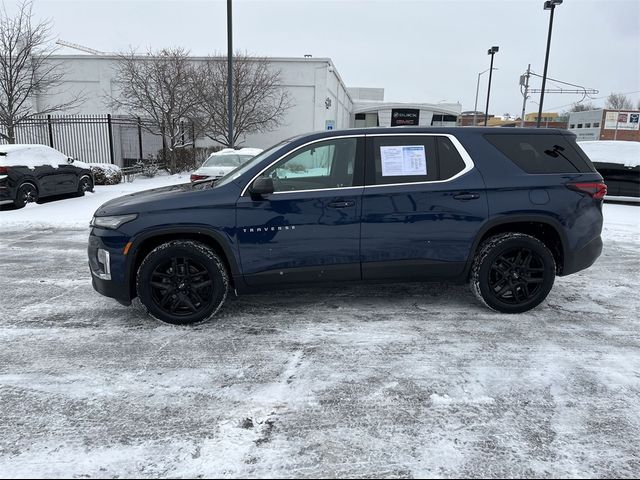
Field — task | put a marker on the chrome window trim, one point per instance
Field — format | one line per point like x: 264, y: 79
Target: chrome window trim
x: 244, y: 190
x: 466, y: 158
x: 361, y: 187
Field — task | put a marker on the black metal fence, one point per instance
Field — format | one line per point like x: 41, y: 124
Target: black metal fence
x: 121, y: 140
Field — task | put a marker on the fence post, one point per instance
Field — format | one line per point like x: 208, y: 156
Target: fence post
x: 50, y: 127
x: 140, y: 138
x: 111, y: 156
x: 164, y: 144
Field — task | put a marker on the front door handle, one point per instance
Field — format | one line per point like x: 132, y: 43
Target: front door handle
x: 466, y: 196
x: 342, y: 204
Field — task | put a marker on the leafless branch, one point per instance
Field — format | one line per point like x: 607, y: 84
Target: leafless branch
x: 160, y: 86
x: 259, y: 99
x: 27, y: 70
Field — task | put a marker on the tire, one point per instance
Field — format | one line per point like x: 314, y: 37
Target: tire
x: 512, y: 272
x: 85, y: 184
x: 27, y: 192
x: 182, y: 282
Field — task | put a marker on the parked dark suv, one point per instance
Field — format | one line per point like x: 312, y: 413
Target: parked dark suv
x: 504, y: 209
x: 29, y: 173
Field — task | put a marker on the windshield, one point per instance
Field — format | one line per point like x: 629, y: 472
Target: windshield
x: 235, y: 173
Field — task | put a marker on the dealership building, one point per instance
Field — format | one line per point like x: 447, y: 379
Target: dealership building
x: 320, y: 100
x: 603, y: 124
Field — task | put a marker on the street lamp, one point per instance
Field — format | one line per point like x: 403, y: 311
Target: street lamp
x: 475, y: 105
x: 548, y: 5
x: 229, y: 74
x: 492, y: 51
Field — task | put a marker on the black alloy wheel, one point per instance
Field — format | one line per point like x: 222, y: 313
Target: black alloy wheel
x: 84, y: 185
x: 181, y: 286
x: 182, y: 282
x: 516, y: 276
x: 513, y: 272
x: 27, y: 193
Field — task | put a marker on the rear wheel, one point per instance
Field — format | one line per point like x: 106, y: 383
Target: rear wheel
x: 513, y: 272
x: 26, y: 193
x: 182, y: 282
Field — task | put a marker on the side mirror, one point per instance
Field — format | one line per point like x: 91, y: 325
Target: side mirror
x: 261, y: 186
x: 70, y: 160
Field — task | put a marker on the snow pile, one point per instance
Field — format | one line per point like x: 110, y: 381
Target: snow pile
x: 609, y: 151
x: 106, y: 174
x: 32, y: 156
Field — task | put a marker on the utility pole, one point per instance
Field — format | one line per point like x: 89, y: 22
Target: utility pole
x: 230, y: 73
x: 524, y: 81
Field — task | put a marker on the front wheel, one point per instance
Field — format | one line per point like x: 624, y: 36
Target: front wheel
x: 182, y: 282
x: 512, y: 272
x: 84, y: 185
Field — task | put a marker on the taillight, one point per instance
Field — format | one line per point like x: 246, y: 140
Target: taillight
x: 195, y: 177
x: 597, y: 190
x: 4, y: 170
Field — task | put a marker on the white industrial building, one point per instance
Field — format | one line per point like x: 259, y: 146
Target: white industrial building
x: 320, y: 98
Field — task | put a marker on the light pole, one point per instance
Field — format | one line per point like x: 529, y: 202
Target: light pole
x: 492, y: 51
x: 229, y: 74
x: 548, y: 5
x: 475, y: 105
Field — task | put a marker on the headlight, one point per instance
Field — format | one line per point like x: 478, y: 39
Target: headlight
x: 112, y: 222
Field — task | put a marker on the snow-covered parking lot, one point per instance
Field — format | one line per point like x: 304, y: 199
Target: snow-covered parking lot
x: 406, y: 380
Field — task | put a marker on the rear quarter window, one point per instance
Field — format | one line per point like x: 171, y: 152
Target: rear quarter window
x: 546, y: 153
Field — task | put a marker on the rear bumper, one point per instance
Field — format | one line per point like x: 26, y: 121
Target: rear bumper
x: 7, y: 193
x: 583, y: 258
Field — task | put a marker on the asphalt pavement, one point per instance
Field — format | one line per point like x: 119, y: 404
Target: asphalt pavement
x: 404, y: 380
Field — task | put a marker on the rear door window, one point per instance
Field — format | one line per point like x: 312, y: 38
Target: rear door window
x: 545, y: 153
x: 414, y: 159
x: 404, y: 159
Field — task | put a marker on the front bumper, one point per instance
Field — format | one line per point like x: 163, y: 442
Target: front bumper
x: 117, y: 284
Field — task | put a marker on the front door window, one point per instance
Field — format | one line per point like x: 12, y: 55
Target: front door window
x: 322, y: 165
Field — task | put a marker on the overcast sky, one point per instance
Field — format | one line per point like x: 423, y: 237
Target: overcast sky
x: 419, y: 51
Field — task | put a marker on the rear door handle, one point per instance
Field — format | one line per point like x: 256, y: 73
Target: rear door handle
x: 466, y: 196
x: 342, y: 204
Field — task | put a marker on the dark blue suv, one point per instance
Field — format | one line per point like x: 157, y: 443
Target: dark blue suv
x: 503, y: 209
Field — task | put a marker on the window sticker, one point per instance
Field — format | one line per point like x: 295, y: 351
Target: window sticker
x: 403, y: 160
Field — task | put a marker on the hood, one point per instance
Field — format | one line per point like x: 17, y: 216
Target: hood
x: 163, y: 198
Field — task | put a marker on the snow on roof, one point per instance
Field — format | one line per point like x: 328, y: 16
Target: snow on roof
x: 30, y: 155
x: 251, y: 151
x: 610, y: 151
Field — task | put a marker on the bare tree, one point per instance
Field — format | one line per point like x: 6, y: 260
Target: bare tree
x: 582, y: 107
x: 259, y: 99
x: 619, y: 101
x: 160, y: 86
x: 27, y: 69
